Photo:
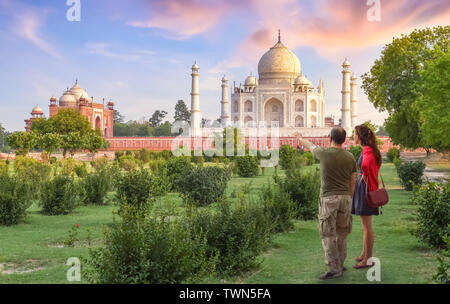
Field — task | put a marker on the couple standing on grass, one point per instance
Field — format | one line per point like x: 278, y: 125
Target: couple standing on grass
x: 342, y: 194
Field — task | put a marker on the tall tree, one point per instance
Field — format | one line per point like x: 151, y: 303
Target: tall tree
x: 117, y: 117
x: 157, y: 118
x: 182, y: 112
x: 395, y: 84
x: 22, y: 142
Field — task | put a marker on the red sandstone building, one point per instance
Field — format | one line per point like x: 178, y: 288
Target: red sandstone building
x: 99, y: 116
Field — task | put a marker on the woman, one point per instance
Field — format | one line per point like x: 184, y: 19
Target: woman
x: 369, y: 164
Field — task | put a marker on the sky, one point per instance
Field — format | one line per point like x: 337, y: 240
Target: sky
x: 139, y: 53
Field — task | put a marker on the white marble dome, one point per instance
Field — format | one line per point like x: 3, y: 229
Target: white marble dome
x: 78, y: 92
x: 251, y: 81
x: 279, y: 63
x: 67, y: 99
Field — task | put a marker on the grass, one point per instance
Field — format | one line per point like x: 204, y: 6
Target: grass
x: 33, y: 251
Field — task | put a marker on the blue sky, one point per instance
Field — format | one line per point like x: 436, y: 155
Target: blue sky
x: 139, y: 53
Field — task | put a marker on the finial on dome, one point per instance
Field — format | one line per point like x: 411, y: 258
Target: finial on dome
x: 279, y: 35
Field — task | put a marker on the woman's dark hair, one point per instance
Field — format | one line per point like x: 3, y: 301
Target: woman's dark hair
x: 367, y: 138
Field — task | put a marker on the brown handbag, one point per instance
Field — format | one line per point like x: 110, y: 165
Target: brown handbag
x: 377, y: 198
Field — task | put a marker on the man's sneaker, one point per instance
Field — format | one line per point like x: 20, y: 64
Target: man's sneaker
x: 330, y: 275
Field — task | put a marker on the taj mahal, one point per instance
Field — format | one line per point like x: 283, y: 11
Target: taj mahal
x: 281, y: 96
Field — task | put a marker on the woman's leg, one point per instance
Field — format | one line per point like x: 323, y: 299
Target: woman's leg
x: 368, y: 238
x: 363, y: 252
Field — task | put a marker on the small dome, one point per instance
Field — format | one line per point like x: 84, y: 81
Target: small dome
x: 251, y: 81
x: 195, y: 66
x: 78, y: 92
x: 110, y: 103
x: 37, y: 110
x: 224, y: 78
x: 346, y: 64
x: 302, y: 80
x: 67, y: 99
x: 353, y: 77
x: 53, y: 98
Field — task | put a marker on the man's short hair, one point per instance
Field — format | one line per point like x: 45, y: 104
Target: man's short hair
x: 338, y: 135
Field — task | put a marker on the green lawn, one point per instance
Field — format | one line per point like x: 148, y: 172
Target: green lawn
x: 33, y: 251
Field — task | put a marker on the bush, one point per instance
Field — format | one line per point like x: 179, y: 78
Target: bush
x: 32, y: 172
x: 3, y: 167
x: 100, y: 163
x: 392, y: 154
x: 356, y: 151
x: 81, y: 170
x: 410, y: 173
x: 237, y: 235
x: 156, y: 165
x: 143, y: 155
x: 397, y: 163
x: 177, y: 168
x: 247, y: 166
x: 68, y: 166
x: 128, y: 162
x: 287, y: 154
x: 441, y: 276
x: 14, y: 199
x: 433, y: 216
x: 279, y: 206
x: 95, y: 186
x: 306, y: 159
x: 204, y: 185
x: 59, y: 195
x: 149, y: 251
x: 304, y: 190
x: 137, y: 187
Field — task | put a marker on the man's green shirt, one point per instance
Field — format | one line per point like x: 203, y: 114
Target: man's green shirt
x: 336, y: 168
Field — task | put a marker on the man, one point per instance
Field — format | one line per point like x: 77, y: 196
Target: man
x: 338, y: 178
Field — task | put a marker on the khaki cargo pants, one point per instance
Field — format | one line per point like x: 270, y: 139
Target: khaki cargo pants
x: 335, y: 223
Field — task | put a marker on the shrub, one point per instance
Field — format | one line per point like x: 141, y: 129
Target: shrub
x: 137, y: 187
x: 433, y: 216
x: 247, y: 166
x: 156, y: 165
x: 356, y: 151
x: 177, y: 168
x: 304, y: 190
x: 149, y: 251
x: 32, y: 173
x: 81, y: 170
x: 58, y: 195
x: 287, y: 154
x: 118, y: 154
x: 410, y: 173
x: 14, y: 199
x: 100, y: 163
x: 166, y: 154
x: 441, y: 276
x: 3, y: 167
x: 204, y: 185
x: 237, y: 235
x: 68, y: 166
x: 95, y: 186
x: 279, y: 207
x: 392, y: 154
x: 397, y: 163
x: 306, y: 159
x: 128, y: 162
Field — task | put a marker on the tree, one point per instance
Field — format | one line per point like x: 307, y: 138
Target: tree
x: 434, y: 104
x: 382, y: 131
x: 94, y: 141
x: 163, y: 130
x: 71, y: 142
x: 3, y: 144
x: 49, y: 142
x: 395, y: 82
x: 182, y: 112
x: 117, y: 117
x: 157, y: 118
x: 22, y: 142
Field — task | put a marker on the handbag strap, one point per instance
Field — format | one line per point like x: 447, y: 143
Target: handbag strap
x: 382, y: 181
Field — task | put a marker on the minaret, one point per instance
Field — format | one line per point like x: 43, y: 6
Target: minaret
x: 195, y: 103
x: 353, y: 101
x: 224, y: 113
x: 345, y: 123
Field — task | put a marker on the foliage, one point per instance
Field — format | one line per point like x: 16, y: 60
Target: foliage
x: 247, y: 166
x: 68, y: 166
x: 287, y: 155
x: 204, y: 185
x: 441, y: 276
x: 356, y: 151
x: 393, y: 154
x: 237, y: 235
x: 3, y: 167
x: 304, y: 189
x: 279, y: 207
x: 95, y: 186
x: 93, y: 141
x: 397, y: 83
x: 4, y: 147
x: 49, y: 142
x: 149, y: 251
x: 157, y: 118
x: 434, y: 101
x: 14, y: 200
x: 32, y: 172
x: 72, y: 237
x: 177, y: 168
x: 81, y: 170
x: 129, y: 163
x: 139, y: 188
x: 410, y: 174
x: 182, y: 112
x: 433, y: 216
x: 305, y: 158
x: 58, y: 195
x: 22, y: 142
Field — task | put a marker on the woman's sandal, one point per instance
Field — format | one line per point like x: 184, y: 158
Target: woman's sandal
x: 359, y: 259
x: 361, y: 266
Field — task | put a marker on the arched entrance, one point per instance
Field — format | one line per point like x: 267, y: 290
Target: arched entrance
x: 98, y: 123
x: 273, y: 112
